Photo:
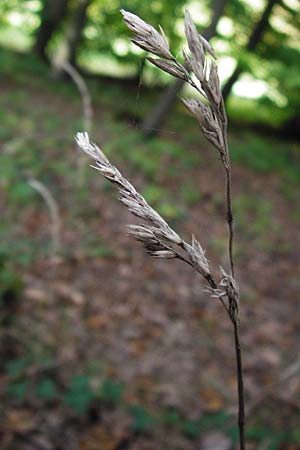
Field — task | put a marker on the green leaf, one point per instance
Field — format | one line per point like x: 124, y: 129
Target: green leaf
x: 46, y: 389
x: 16, y: 367
x: 217, y: 420
x: 191, y: 428
x: 17, y: 390
x: 111, y: 391
x: 153, y: 193
x: 170, y: 211
x: 79, y: 395
x: 171, y: 417
x: 142, y: 420
x: 101, y: 251
x: 21, y: 192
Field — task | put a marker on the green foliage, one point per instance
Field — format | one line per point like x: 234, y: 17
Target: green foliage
x: 105, y: 31
x: 159, y: 198
x: 255, y: 220
x: 21, y: 193
x: 46, y: 390
x: 142, y: 420
x: 154, y: 193
x: 245, y: 112
x: 275, y: 59
x: 233, y: 434
x: 18, y: 385
x: 273, y: 440
x: 79, y: 394
x: 16, y: 367
x: 18, y: 390
x: 266, y: 155
x: 171, y: 417
x: 106, y: 46
x: 20, y: 252
x: 191, y: 193
x: 216, y: 420
x: 94, y: 248
x: 111, y: 391
x: 21, y: 383
x: 170, y: 211
x: 101, y: 251
x: 192, y: 429
x: 11, y: 283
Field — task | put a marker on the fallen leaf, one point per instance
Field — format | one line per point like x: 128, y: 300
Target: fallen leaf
x: 69, y: 293
x: 98, y: 437
x: 36, y: 295
x: 212, y: 399
x: 215, y: 441
x: 20, y: 421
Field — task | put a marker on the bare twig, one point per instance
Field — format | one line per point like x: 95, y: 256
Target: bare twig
x: 290, y: 371
x: 53, y: 211
x: 87, y: 109
x: 85, y: 95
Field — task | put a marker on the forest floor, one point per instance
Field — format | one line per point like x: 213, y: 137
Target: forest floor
x: 104, y: 348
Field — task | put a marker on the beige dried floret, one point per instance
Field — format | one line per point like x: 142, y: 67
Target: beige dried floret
x: 146, y: 36
x: 160, y: 240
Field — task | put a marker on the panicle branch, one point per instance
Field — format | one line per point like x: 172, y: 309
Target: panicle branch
x: 209, y: 110
x: 159, y: 239
x: 200, y: 61
x: 146, y: 36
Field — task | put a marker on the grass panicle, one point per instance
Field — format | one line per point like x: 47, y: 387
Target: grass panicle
x: 160, y: 240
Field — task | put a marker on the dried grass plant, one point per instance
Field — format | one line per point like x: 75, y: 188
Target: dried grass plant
x: 160, y: 240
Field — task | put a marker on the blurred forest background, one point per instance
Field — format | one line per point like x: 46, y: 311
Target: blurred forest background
x: 103, y: 348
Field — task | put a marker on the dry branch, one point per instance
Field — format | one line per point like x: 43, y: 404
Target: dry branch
x: 55, y: 223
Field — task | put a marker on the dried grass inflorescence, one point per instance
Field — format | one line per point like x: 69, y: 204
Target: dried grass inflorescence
x: 160, y: 240
x: 200, y: 65
x: 146, y: 36
x: 156, y: 235
x: 201, y: 72
x: 201, y: 62
x: 209, y: 110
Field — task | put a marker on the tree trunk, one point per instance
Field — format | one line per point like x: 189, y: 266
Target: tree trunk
x: 53, y: 13
x: 253, y: 41
x: 156, y: 118
x: 77, y: 26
